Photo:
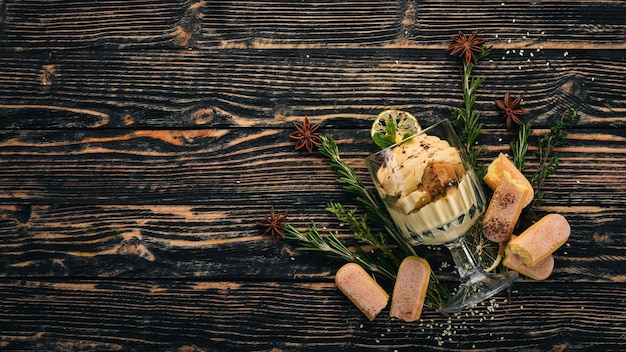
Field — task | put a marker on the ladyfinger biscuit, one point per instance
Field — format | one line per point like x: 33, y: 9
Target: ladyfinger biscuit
x: 361, y: 289
x: 541, y: 239
x: 409, y: 291
x: 541, y: 271
x: 495, y: 174
x: 504, y: 209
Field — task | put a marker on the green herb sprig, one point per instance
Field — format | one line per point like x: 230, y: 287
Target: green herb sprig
x: 465, y: 119
x: 332, y: 247
x: 366, y: 197
x: 548, y: 158
x: 519, y: 147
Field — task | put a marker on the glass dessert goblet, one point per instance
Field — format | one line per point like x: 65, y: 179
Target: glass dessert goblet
x: 434, y: 197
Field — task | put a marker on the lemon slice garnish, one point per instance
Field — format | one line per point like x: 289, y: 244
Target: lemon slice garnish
x: 392, y: 126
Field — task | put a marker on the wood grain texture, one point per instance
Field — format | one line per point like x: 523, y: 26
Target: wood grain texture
x: 140, y: 142
x: 273, y: 316
x: 240, y: 88
x: 36, y: 25
x: 199, y: 241
x: 112, y: 204
x: 140, y: 166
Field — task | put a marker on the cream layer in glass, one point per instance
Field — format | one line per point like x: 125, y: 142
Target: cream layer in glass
x: 428, y: 193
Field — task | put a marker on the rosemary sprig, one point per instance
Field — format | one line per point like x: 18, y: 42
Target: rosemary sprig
x: 366, y: 197
x: 519, y: 147
x: 465, y: 119
x: 548, y: 159
x: 333, y: 248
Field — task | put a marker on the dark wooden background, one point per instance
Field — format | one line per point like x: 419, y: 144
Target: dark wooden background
x: 140, y: 141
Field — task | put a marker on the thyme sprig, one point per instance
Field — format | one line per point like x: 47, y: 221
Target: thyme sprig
x: 362, y: 232
x: 548, y: 158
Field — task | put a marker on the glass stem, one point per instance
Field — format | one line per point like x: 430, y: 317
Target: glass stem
x: 463, y: 258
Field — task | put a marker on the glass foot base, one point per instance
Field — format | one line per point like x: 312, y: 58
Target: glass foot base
x: 478, y: 288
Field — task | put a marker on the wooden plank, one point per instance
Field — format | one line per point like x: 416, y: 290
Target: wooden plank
x: 37, y: 25
x: 232, y: 316
x: 172, y: 241
x: 67, y: 214
x: 259, y: 166
x: 243, y: 88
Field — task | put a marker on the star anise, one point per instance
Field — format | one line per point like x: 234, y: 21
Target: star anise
x: 511, y: 110
x: 467, y: 48
x: 305, y: 135
x: 273, y: 225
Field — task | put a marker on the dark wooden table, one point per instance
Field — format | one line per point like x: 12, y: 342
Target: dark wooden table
x: 141, y: 141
